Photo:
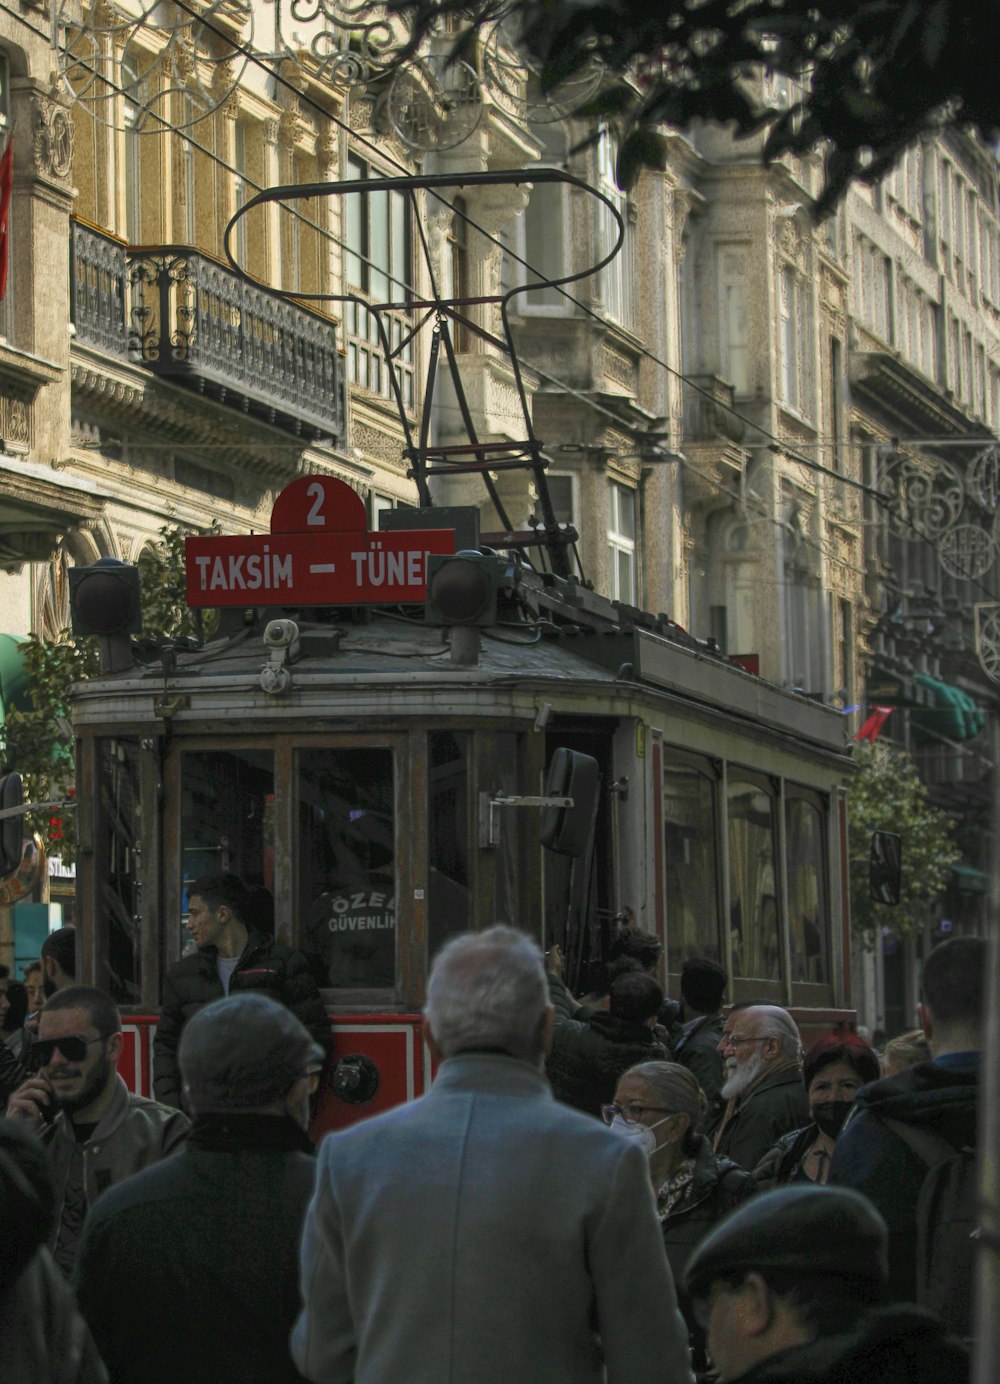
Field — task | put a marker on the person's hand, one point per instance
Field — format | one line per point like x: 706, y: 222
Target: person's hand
x: 30, y: 1099
x: 555, y: 962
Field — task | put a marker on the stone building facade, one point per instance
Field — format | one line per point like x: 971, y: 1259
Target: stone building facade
x: 721, y: 406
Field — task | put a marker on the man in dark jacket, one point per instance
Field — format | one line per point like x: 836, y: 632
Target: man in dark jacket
x: 789, y: 1288
x: 587, y: 1059
x: 230, y: 959
x: 191, y: 1272
x: 703, y: 984
x: 940, y: 1097
x: 763, y: 1088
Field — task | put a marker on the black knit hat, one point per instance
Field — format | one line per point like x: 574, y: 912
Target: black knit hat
x: 819, y: 1231
x: 703, y: 983
x: 244, y: 1052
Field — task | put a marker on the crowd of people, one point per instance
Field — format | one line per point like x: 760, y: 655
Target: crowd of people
x: 603, y: 1188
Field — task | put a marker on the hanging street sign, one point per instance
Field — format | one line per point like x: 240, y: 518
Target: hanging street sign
x: 319, y: 553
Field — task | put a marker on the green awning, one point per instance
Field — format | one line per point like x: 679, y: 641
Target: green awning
x: 12, y: 674
x: 971, y: 880
x: 887, y: 687
x: 952, y: 713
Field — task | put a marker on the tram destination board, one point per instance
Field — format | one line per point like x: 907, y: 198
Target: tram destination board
x: 319, y: 552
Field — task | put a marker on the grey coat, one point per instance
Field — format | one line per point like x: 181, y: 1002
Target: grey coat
x: 463, y: 1239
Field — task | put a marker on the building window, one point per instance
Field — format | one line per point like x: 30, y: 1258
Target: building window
x: 795, y: 338
x: 7, y: 306
x: 544, y: 230
x: 135, y: 92
x: 459, y: 285
x: 377, y: 266
x: 616, y: 278
x: 562, y: 493
x: 242, y: 188
x: 621, y: 542
x: 736, y: 335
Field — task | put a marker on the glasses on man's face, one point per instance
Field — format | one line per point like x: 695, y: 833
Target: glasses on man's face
x: 73, y: 1048
x: 631, y: 1113
x: 736, y: 1040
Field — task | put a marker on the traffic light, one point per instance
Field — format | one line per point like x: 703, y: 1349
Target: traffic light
x: 11, y: 828
x: 104, y: 598
x: 462, y: 588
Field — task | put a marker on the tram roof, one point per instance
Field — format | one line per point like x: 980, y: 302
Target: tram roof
x: 615, y: 665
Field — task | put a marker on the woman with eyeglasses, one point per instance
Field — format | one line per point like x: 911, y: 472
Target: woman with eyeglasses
x: 660, y: 1105
x: 834, y: 1071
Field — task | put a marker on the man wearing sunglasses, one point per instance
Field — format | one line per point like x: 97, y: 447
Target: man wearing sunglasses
x: 95, y: 1132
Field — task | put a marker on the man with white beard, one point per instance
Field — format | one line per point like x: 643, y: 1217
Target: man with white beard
x: 763, y: 1090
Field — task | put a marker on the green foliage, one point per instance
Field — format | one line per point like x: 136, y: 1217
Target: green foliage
x: 887, y: 795
x: 877, y: 73
x: 36, y: 742
x: 161, y: 574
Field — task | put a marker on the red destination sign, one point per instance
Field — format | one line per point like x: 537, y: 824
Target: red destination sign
x: 319, y: 553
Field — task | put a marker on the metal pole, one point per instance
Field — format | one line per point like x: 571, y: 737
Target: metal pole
x: 986, y: 1354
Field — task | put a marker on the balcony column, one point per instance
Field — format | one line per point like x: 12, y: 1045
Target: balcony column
x: 272, y: 212
x: 325, y: 211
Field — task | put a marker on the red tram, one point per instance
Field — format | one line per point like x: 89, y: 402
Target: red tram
x: 375, y: 777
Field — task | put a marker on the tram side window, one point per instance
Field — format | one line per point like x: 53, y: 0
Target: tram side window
x: 753, y: 880
x: 347, y: 865
x: 118, y: 868
x: 690, y: 828
x: 447, y: 836
x: 227, y: 816
x: 808, y: 920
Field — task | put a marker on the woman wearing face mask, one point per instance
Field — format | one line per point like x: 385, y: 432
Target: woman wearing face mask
x: 834, y: 1070
x: 660, y: 1105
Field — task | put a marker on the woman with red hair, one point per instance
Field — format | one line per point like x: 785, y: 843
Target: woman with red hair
x: 834, y: 1071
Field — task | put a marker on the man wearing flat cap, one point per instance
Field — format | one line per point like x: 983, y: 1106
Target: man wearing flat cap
x: 193, y: 1274
x: 791, y: 1290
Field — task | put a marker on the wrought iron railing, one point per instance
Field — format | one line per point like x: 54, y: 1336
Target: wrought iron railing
x: 98, y: 276
x: 187, y: 318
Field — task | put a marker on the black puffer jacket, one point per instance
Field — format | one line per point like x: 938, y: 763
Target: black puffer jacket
x: 891, y: 1345
x: 587, y: 1059
x: 717, y: 1187
x: 871, y: 1159
x: 266, y: 966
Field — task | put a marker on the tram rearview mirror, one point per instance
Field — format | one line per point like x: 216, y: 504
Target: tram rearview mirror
x: 11, y: 828
x: 885, y: 867
x: 568, y: 830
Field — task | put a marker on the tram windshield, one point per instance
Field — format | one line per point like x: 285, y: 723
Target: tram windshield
x: 347, y: 865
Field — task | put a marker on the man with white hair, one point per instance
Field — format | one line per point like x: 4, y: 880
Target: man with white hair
x: 486, y: 1233
x: 763, y: 1091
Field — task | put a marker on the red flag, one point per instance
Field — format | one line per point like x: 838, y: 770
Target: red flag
x: 876, y: 720
x: 6, y: 187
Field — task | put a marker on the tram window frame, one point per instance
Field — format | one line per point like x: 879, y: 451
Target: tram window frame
x: 711, y: 771
x: 174, y: 831
x: 809, y: 993
x: 101, y: 873
x: 772, y: 988
x: 344, y: 995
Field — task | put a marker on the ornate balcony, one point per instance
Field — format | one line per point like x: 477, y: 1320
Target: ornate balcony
x: 708, y: 416
x: 188, y: 319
